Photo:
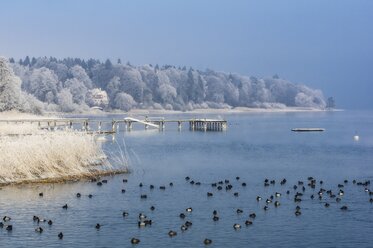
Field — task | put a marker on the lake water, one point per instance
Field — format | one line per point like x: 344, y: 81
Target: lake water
x: 254, y: 147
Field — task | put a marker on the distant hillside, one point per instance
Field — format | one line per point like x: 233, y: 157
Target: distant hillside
x: 67, y: 85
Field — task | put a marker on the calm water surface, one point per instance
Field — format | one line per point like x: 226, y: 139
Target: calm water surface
x: 255, y: 147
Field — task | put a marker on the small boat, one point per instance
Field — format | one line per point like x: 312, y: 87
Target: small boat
x: 301, y: 129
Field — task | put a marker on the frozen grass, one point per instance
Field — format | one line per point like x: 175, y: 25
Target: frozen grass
x: 28, y: 154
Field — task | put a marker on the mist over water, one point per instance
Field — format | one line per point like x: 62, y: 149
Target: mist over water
x: 254, y: 147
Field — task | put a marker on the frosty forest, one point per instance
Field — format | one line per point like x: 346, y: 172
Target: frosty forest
x: 75, y: 85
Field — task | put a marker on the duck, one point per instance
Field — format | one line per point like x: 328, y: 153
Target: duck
x: 152, y: 208
x: 50, y: 222
x: 90, y: 196
x: 192, y: 182
x: 214, y: 212
x: 236, y: 226
x: 123, y: 191
x: 144, y: 196
x: 248, y: 222
x: 239, y: 211
x: 297, y: 208
x: 141, y: 223
x: 326, y: 205
x: 142, y: 216
x: 266, y: 208
x: 198, y: 183
x: 277, y: 194
x: 78, y: 195
x: 151, y: 186
x: 243, y: 184
x: 171, y: 184
x: 187, y: 178
x: 209, y: 194
x: 162, y: 187
x: 237, y: 178
x: 104, y: 181
x: 39, y: 229
x: 125, y: 180
x: 6, y: 218
x: 35, y: 218
x: 99, y: 183
x: 188, y: 223
x: 215, y: 218
x: 9, y: 227
x: 252, y: 215
x: 125, y: 214
x: 268, y: 201
x: 41, y: 194
x: 207, y: 241
x: 172, y: 233
x: 189, y: 209
x: 135, y: 241
x: 277, y: 204
x: 183, y: 228
x: 235, y: 194
x: 140, y: 185
x: 337, y: 199
x: 98, y: 226
x: 60, y: 235
x: 219, y: 187
x: 214, y: 184
x: 1, y: 225
x: 297, y: 213
x: 182, y: 215
x: 312, y: 196
x: 344, y: 208
x: 64, y: 206
x: 226, y: 181
x: 258, y: 198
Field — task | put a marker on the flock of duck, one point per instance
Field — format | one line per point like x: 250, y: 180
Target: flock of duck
x: 296, y: 192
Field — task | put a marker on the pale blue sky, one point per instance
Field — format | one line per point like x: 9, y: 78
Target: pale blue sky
x: 326, y: 44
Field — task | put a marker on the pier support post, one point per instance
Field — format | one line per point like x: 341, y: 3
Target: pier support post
x: 179, y: 125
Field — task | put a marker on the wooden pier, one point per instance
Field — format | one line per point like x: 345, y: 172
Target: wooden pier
x: 107, y: 126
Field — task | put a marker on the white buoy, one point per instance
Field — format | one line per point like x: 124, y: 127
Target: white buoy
x: 356, y: 137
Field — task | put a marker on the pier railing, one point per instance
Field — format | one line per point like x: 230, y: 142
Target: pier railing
x: 106, y: 126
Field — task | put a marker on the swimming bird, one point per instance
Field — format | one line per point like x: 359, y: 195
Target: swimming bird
x: 41, y: 194
x: 152, y: 208
x: 189, y: 209
x: 1, y: 225
x: 99, y: 183
x: 140, y: 185
x: 192, y: 182
x: 344, y: 208
x: 162, y: 187
x: 9, y: 227
x: 125, y: 214
x: 265, y: 208
x: 123, y: 191
x: 268, y: 201
x: 236, y: 226
x: 219, y: 187
x: 39, y: 229
x: 171, y: 184
x: 182, y: 215
x: 215, y: 218
x: 142, y: 216
x: 90, y: 196
x: 141, y: 223
x: 213, y: 184
x: 277, y: 204
x: 60, y: 235
x: 64, y: 206
x: 50, y: 222
x: 188, y: 223
x: 243, y: 184
x: 297, y: 213
x: 207, y: 241
x: 237, y: 178
x: 209, y: 194
x: 288, y: 192
x: 125, y: 180
x: 258, y: 198
x: 187, y: 178
x: 172, y: 233
x: 252, y: 215
x: 183, y: 228
x: 326, y: 205
x: 135, y: 241
x: 98, y: 226
x: 214, y: 212
x: 371, y: 200
x: 151, y: 186
x: 226, y: 181
x: 78, y: 195
x: 277, y: 194
x: 104, y: 181
x: 235, y: 194
x: 239, y: 211
x: 337, y: 199
x: 6, y: 218
x: 143, y: 196
x: 248, y: 222
x: 198, y: 183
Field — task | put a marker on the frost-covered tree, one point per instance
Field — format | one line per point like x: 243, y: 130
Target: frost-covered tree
x: 65, y: 101
x: 77, y: 89
x: 124, y: 101
x: 80, y: 74
x: 43, y: 81
x: 10, y: 87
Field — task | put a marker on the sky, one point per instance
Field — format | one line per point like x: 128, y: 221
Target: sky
x: 325, y: 44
